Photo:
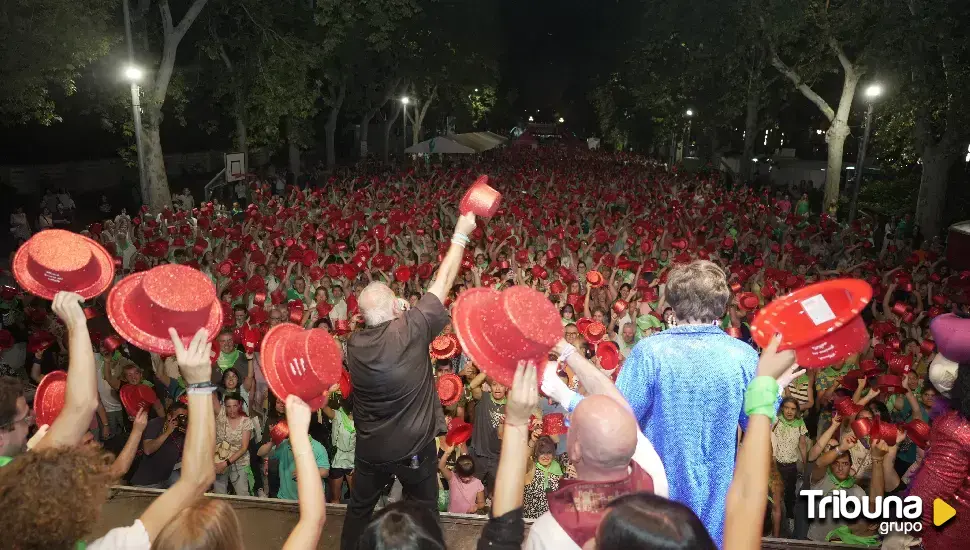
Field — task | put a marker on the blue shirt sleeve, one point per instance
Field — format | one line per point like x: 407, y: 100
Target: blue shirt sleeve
x: 636, y: 381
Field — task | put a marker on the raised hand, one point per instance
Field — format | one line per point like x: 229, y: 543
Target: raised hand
x: 297, y: 415
x: 523, y: 395
x: 774, y: 363
x: 67, y: 306
x: 195, y: 362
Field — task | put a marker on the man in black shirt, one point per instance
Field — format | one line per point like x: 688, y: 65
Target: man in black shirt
x: 397, y: 413
x: 163, y: 442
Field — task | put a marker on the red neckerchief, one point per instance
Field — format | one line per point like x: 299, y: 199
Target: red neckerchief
x: 578, y: 506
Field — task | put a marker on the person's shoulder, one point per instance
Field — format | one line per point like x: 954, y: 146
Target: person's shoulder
x: 546, y: 533
x: 133, y: 537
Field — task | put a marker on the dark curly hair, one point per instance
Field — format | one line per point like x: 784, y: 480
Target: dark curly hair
x: 51, y: 498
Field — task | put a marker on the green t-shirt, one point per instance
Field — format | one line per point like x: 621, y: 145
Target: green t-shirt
x: 284, y: 453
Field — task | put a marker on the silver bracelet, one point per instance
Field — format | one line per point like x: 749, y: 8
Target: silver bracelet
x: 204, y: 390
x: 459, y: 243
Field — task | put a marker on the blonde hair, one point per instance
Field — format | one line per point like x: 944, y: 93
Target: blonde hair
x: 698, y: 292
x: 206, y: 524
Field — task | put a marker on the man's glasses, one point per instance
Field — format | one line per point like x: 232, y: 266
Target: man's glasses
x: 27, y: 419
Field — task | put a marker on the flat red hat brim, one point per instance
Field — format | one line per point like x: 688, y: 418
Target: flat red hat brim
x: 156, y: 343
x: 468, y: 326
x: 38, y: 288
x: 459, y: 434
x: 49, y: 397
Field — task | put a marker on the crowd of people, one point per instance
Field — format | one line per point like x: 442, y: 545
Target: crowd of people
x: 655, y: 276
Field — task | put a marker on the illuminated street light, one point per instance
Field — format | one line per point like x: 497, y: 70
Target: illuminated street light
x: 133, y: 73
x: 405, y: 100
x: 476, y: 90
x: 561, y: 120
x: 819, y: 131
x: 690, y: 112
x: 531, y: 119
x: 873, y: 91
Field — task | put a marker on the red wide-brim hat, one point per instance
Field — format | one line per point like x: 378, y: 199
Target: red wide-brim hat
x: 918, y: 431
x: 582, y: 323
x: 595, y: 279
x: 142, y: 307
x: 845, y: 406
x: 883, y: 431
x: 56, y: 260
x: 300, y: 362
x: 594, y: 332
x: 458, y: 433
x: 748, y: 301
x: 450, y: 388
x: 49, y: 397
x: 279, y: 432
x: 498, y: 329
x: 444, y: 347
x: 135, y: 397
x: 821, y: 322
x: 861, y: 427
x: 346, y: 386
x: 480, y: 199
x: 851, y: 380
x: 554, y: 424
x: 891, y: 383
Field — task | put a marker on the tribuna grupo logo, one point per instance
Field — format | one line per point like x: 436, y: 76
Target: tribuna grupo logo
x: 893, y: 513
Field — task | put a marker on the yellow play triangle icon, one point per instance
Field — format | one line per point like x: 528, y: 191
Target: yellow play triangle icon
x: 942, y: 512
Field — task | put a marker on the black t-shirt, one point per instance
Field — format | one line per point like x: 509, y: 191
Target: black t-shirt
x: 396, y: 406
x: 157, y: 467
x: 488, y: 416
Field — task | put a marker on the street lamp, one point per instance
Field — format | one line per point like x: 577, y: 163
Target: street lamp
x: 872, y: 92
x: 133, y: 73
x: 561, y: 120
x: 404, y: 113
x: 690, y: 112
x: 531, y: 119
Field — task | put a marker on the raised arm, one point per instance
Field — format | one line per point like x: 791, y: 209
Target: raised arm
x: 127, y: 454
x: 448, y: 270
x: 313, y: 510
x: 198, y: 469
x: 81, y: 399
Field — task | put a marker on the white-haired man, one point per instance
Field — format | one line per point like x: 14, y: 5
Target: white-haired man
x: 397, y: 413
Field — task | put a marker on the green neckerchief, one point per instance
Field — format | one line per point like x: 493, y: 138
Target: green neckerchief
x: 499, y: 402
x: 346, y: 421
x: 844, y: 534
x: 227, y: 360
x: 4, y: 460
x: 663, y: 263
x: 846, y: 484
x: 553, y: 469
x: 147, y: 383
x: 794, y: 423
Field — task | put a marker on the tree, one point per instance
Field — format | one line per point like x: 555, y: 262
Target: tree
x: 812, y: 35
x: 46, y: 44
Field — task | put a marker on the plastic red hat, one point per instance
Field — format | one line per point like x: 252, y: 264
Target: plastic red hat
x: 135, y: 397
x: 302, y: 362
x: 851, y: 380
x: 346, y: 386
x: 891, y: 383
x: 845, y: 406
x: 861, y: 427
x: 582, y: 323
x: 821, y: 322
x: 918, y: 431
x: 143, y: 306
x: 620, y: 306
x: 609, y: 355
x: 56, y: 260
x: 883, y: 431
x: 900, y: 364
x: 341, y: 327
x: 444, y: 347
x: 39, y: 341
x: 480, y: 199
x: 554, y: 424
x: 279, y: 432
x: 595, y: 279
x: 594, y: 332
x: 49, y: 397
x: 498, y: 329
x: 450, y: 388
x: 458, y: 433
x: 748, y: 301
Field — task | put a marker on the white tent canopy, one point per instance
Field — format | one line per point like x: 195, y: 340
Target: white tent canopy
x: 472, y: 142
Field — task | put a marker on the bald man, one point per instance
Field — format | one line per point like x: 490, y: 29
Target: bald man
x: 612, y: 458
x: 397, y: 413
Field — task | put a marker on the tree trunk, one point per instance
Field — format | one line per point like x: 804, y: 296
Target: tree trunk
x: 835, y: 138
x: 331, y: 126
x: 293, y: 148
x: 930, y: 206
x: 750, y: 131
x: 242, y: 139
x: 388, y: 124
x: 159, y: 194
x: 364, y: 130
x: 419, y: 115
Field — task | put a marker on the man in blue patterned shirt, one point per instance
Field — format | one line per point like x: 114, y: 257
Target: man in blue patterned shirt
x: 686, y: 386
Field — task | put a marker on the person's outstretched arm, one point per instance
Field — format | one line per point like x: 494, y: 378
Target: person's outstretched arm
x: 450, y: 265
x: 127, y: 455
x: 313, y: 508
x: 590, y: 376
x: 81, y: 399
x: 747, y: 497
x: 198, y: 469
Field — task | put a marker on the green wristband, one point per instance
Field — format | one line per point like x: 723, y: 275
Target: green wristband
x: 761, y: 396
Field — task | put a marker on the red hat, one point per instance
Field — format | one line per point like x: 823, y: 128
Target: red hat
x: 861, y: 427
x: 609, y: 354
x: 444, y: 347
x: 851, y: 380
x: 497, y: 329
x: 554, y: 424
x: 56, y: 260
x: 748, y: 301
x: 346, y: 386
x: 250, y: 339
x: 143, y: 306
x: 595, y: 279
x: 869, y: 367
x: 891, y: 383
x: 821, y: 322
x: 111, y: 343
x: 619, y: 307
x: 39, y: 341
x: 927, y: 347
x: 458, y: 433
x: 557, y: 287
x: 425, y: 271
x: 582, y: 323
x: 402, y: 274
x: 900, y: 364
x: 450, y: 388
x: 302, y: 362
x: 883, y: 431
x: 594, y: 332
x: 341, y: 327
x: 917, y: 430
x: 480, y: 199
x: 845, y: 406
x: 279, y: 432
x: 7, y: 340
x: 135, y: 397
x: 49, y: 397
